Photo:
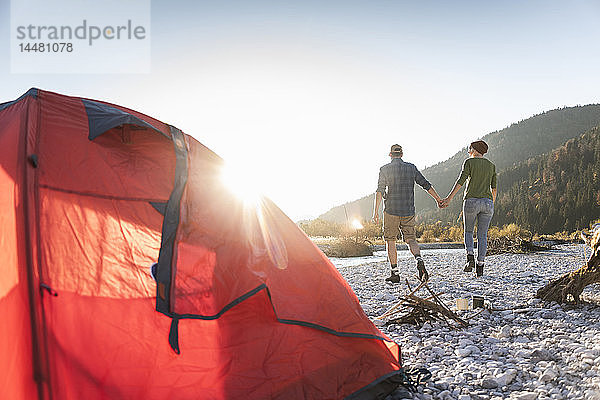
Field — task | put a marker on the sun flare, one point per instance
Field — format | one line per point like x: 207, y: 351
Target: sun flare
x: 242, y: 182
x: 356, y: 224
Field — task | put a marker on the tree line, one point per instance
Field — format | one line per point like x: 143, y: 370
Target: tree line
x: 561, y: 197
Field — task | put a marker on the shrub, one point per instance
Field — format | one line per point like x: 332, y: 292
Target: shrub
x: 320, y: 227
x: 510, y: 231
x: 348, y: 248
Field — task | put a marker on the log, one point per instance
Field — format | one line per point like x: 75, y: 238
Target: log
x: 516, y: 246
x: 568, y: 288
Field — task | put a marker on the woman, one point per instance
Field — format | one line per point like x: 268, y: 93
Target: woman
x: 478, y: 205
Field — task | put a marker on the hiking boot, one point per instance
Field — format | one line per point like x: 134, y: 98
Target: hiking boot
x: 470, y: 263
x: 393, y: 278
x: 423, y: 275
x: 479, y: 270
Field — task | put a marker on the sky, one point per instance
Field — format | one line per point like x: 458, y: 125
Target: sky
x: 305, y: 98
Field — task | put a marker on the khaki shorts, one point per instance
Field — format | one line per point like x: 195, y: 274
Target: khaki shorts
x: 394, y: 224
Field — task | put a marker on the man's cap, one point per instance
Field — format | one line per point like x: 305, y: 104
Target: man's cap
x: 396, y: 150
x: 480, y: 146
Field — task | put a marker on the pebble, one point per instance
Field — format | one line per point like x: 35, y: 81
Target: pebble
x: 506, y: 378
x: 504, y: 332
x: 548, y: 375
x: 525, y: 396
x: 529, y: 350
x: 489, y: 383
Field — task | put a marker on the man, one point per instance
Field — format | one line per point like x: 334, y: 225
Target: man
x: 396, y: 185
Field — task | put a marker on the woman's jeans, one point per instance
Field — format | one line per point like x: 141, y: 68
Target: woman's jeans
x: 480, y: 210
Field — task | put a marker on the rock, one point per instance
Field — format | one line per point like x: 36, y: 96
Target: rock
x: 592, y: 394
x: 473, y: 349
x: 506, y: 378
x: 516, y: 386
x: 464, y: 397
x: 548, y: 375
x: 522, y: 354
x: 540, y: 355
x: 504, y: 332
x: 463, y: 352
x: 548, y: 314
x: 489, y: 383
x: 525, y: 396
x: 438, y: 351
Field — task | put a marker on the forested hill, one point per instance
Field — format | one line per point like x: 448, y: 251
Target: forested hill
x: 556, y: 191
x: 508, y: 148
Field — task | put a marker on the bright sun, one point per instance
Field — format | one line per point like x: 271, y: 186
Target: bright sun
x: 241, y: 180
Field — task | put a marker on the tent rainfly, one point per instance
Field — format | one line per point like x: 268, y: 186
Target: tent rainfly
x: 238, y: 302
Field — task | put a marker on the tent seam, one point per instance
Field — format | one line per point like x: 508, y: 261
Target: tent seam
x: 102, y: 196
x: 305, y: 324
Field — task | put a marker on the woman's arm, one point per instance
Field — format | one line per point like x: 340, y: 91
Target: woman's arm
x: 452, y: 193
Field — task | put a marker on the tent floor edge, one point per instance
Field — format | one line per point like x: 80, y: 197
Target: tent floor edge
x: 380, y: 388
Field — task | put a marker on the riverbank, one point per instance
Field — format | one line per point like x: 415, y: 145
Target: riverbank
x: 529, y: 350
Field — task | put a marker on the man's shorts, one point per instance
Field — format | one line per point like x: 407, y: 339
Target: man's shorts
x: 394, y: 224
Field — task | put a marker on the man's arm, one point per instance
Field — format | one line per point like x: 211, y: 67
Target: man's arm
x: 381, y: 187
x: 436, y: 196
x: 424, y: 183
x: 378, y: 197
x: 494, y: 194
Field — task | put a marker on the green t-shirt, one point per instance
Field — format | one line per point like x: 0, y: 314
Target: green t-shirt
x: 481, y: 174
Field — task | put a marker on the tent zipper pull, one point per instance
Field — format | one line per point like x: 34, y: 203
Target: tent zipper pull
x: 174, y: 335
x: 47, y: 288
x: 33, y: 160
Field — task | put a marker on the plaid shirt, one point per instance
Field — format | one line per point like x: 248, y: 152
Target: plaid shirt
x: 399, y: 178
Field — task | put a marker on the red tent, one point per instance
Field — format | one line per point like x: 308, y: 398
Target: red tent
x: 241, y: 304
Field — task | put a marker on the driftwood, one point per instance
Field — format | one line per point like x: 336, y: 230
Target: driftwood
x: 507, y: 245
x: 414, y: 310
x: 568, y: 287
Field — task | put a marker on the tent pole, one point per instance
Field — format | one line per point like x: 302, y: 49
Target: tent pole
x: 33, y: 295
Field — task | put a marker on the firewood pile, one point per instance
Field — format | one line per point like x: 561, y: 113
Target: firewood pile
x: 415, y: 310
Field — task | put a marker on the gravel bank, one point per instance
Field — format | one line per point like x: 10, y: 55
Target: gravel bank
x: 530, y: 350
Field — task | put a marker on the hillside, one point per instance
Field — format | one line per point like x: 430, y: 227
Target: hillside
x: 557, y: 191
x: 509, y: 147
